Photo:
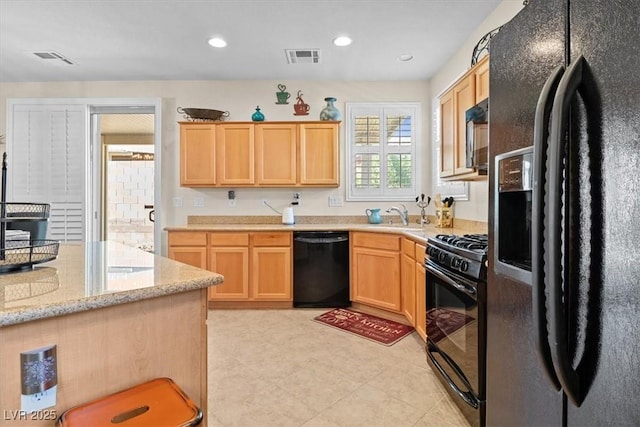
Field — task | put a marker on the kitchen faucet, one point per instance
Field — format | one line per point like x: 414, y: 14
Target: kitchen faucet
x: 404, y: 213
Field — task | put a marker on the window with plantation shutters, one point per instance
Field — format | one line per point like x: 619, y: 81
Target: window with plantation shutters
x: 382, y: 151
x: 46, y: 155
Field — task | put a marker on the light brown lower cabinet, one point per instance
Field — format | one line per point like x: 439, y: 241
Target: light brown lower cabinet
x: 413, y: 285
x: 375, y: 270
x: 408, y: 280
x: 257, y: 266
x: 229, y: 256
x: 421, y: 293
x: 189, y: 248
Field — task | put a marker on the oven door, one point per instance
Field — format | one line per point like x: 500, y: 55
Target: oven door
x: 453, y: 331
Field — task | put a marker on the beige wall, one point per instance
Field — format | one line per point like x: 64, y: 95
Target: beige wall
x: 241, y: 98
x: 476, y: 207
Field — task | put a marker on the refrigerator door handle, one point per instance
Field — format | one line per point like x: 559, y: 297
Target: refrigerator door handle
x: 540, y: 137
x: 559, y: 326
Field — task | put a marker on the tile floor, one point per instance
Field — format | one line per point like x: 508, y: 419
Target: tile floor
x: 280, y: 368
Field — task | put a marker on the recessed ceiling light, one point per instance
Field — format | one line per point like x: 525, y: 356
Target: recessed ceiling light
x: 405, y: 57
x: 217, y: 42
x: 342, y: 41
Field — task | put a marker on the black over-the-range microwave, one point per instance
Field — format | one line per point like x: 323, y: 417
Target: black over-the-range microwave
x: 477, y: 119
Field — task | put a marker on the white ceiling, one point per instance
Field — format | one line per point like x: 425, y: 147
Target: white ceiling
x: 167, y: 39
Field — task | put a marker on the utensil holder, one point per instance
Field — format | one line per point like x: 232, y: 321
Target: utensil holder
x: 444, y: 218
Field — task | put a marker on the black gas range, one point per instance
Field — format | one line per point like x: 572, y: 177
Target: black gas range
x: 466, y: 254
x: 456, y: 281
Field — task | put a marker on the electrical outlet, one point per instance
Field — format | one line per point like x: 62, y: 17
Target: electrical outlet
x: 38, y: 401
x: 177, y: 202
x: 263, y: 202
x: 198, y: 202
x: 335, y: 201
x: 232, y: 203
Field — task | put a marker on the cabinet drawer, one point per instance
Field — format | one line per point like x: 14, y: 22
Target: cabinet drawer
x: 377, y: 241
x: 188, y: 238
x: 229, y: 239
x: 271, y: 239
x: 420, y: 252
x: 408, y: 247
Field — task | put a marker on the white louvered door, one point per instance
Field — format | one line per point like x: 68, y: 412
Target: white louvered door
x: 46, y: 164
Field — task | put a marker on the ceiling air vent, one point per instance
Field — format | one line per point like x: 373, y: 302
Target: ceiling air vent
x: 303, y: 56
x: 53, y: 55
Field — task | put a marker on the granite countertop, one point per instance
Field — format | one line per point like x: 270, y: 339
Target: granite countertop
x: 93, y: 275
x: 413, y: 231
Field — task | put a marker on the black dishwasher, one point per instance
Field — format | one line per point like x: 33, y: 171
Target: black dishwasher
x: 321, y: 269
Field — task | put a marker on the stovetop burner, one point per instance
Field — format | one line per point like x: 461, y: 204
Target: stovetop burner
x: 467, y: 241
x: 464, y: 254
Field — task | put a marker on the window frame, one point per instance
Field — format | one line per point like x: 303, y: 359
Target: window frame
x: 383, y: 110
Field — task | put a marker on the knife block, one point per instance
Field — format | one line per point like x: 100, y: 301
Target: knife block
x: 444, y: 217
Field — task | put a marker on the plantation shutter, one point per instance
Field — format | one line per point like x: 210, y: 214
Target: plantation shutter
x: 382, y: 151
x: 46, y: 164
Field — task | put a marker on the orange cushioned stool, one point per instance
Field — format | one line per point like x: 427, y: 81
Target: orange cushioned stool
x: 158, y: 403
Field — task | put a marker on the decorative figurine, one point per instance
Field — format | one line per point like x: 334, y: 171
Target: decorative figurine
x: 330, y: 112
x: 300, y: 108
x: 282, y: 95
x: 422, y: 205
x: 257, y: 116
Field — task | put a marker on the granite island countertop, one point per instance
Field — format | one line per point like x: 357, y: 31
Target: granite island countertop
x: 92, y: 275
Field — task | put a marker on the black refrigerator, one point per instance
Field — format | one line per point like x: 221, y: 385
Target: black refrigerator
x: 563, y: 288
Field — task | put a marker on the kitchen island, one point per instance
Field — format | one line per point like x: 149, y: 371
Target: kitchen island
x: 119, y: 316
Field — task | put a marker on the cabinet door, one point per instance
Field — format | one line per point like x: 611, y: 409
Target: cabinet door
x: 464, y: 97
x: 271, y: 274
x: 376, y: 278
x: 481, y: 73
x: 276, y: 154
x: 421, y: 300
x: 447, y: 134
x: 408, y: 284
x: 197, y: 154
x: 319, y: 154
x: 235, y: 154
x: 233, y: 264
x: 195, y: 256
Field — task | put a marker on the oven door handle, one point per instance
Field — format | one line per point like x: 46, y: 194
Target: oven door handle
x: 451, y: 282
x: 467, y: 396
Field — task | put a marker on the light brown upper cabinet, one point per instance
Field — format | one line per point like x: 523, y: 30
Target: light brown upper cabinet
x: 481, y: 73
x: 276, y: 154
x: 235, y: 154
x: 197, y: 155
x: 319, y: 154
x: 272, y: 154
x: 467, y: 91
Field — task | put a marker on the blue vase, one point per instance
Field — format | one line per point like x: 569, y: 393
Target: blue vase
x: 257, y: 116
x: 330, y: 112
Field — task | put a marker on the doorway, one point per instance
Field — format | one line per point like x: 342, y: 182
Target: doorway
x: 127, y: 180
x: 125, y: 174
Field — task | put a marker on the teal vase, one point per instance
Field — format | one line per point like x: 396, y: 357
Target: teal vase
x: 257, y: 116
x: 330, y: 112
